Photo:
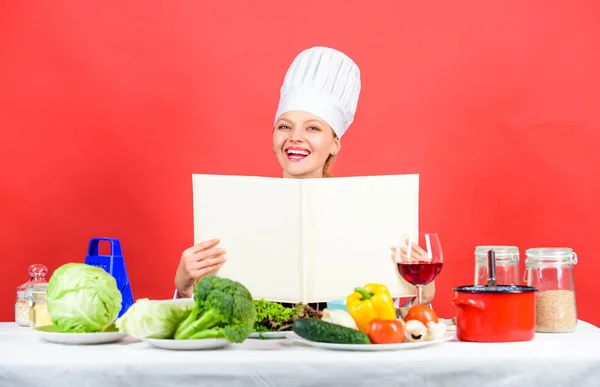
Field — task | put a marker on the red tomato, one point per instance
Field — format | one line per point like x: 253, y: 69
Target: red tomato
x: 386, y: 331
x: 422, y: 313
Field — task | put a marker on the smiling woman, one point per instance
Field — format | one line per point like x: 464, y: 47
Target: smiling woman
x: 318, y: 101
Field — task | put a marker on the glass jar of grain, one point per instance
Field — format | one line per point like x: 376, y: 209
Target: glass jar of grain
x: 22, y: 306
x: 551, y: 271
x: 507, y: 265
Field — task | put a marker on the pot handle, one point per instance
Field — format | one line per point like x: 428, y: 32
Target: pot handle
x: 477, y: 304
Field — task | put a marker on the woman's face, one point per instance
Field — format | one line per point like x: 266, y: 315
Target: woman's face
x: 302, y: 143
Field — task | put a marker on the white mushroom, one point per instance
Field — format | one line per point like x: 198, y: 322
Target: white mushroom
x: 415, y: 330
x: 436, y: 330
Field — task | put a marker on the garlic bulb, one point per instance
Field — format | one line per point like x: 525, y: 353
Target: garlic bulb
x: 339, y: 317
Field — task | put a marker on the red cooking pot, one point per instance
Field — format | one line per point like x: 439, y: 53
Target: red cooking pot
x: 495, y: 313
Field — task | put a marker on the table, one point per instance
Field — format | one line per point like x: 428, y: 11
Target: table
x: 549, y: 360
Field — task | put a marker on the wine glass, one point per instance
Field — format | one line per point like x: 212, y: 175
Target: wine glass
x: 419, y: 260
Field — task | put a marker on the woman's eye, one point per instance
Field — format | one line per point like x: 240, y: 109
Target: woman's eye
x: 283, y: 127
x: 314, y: 128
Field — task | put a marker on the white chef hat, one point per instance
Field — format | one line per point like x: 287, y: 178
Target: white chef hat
x: 324, y: 82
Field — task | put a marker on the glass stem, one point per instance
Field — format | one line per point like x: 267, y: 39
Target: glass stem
x: 419, y: 295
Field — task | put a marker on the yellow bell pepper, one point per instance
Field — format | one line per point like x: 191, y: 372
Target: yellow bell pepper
x: 370, y: 302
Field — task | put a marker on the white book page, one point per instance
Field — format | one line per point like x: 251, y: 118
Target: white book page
x: 349, y: 226
x: 258, y: 222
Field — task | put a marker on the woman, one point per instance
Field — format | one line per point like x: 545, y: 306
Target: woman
x: 317, y: 104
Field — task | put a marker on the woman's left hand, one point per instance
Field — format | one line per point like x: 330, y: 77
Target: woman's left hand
x: 417, y: 254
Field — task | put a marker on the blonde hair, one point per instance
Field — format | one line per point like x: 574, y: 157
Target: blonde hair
x: 328, y: 164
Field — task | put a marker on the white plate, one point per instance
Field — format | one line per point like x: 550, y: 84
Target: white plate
x: 186, y: 345
x: 370, y: 347
x: 51, y: 334
x: 269, y: 335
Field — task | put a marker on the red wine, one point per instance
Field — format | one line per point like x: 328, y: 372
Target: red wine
x: 419, y: 273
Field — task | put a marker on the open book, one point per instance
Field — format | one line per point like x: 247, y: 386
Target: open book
x: 308, y: 240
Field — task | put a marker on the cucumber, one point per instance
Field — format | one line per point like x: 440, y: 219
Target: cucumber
x: 326, y: 332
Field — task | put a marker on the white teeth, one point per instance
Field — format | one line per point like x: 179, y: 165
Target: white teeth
x: 297, y: 152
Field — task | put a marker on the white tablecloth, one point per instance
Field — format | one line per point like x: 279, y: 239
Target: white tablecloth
x: 550, y: 360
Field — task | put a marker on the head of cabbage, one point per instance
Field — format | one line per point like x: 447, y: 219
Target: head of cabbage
x: 154, y: 319
x: 82, y: 298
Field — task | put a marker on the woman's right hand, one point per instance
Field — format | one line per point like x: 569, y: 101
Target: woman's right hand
x: 196, y: 262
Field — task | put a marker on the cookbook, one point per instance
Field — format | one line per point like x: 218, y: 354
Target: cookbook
x: 307, y: 240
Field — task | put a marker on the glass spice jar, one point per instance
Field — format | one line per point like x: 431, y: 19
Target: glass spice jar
x: 551, y: 271
x: 37, y: 275
x: 507, y: 265
x: 38, y: 314
x: 22, y: 306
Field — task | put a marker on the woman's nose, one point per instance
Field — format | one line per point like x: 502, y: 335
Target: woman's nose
x: 297, y: 135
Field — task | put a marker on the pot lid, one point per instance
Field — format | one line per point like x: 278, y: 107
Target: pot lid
x: 498, y: 289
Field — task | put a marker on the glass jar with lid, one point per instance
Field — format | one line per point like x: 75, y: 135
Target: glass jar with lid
x: 507, y: 265
x: 38, y: 314
x: 551, y: 271
x: 37, y: 275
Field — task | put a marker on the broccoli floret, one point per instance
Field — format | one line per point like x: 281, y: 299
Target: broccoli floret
x: 223, y: 308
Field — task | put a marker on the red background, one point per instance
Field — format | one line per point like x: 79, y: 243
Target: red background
x: 107, y: 109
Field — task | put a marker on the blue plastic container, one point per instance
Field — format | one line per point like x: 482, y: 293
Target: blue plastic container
x: 337, y: 304
x: 114, y: 264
